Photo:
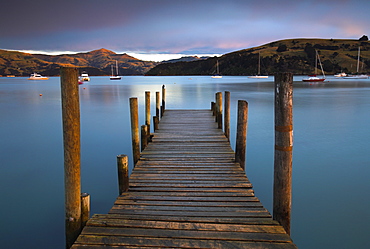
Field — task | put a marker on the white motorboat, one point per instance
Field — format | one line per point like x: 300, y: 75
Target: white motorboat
x: 340, y: 75
x: 84, y: 77
x: 36, y: 76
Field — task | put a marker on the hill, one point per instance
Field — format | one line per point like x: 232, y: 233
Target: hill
x: 185, y: 58
x: 97, y: 62
x: 290, y: 55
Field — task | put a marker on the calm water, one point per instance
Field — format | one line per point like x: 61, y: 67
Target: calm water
x: 331, y: 162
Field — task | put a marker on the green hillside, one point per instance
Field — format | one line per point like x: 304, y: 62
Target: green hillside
x: 291, y: 55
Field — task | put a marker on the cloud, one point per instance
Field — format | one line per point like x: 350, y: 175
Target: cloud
x: 192, y: 26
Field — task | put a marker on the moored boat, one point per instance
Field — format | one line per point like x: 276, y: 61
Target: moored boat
x: 357, y: 75
x: 36, y: 76
x: 84, y: 77
x: 314, y: 78
x: 115, y: 77
x: 258, y: 76
x: 340, y: 75
x: 217, y: 75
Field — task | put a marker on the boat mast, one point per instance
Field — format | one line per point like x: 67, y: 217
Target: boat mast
x: 322, y: 70
x: 317, y: 56
x: 259, y: 63
x: 358, y: 59
x: 117, y: 67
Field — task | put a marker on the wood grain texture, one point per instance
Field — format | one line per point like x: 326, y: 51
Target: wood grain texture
x: 186, y: 191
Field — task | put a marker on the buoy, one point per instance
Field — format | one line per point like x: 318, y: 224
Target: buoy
x: 40, y: 94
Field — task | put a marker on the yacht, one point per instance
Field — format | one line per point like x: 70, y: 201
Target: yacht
x: 36, y: 76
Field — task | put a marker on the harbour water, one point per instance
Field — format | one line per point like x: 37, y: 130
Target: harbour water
x: 331, y: 155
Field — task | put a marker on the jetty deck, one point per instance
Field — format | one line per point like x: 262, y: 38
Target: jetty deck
x: 186, y: 191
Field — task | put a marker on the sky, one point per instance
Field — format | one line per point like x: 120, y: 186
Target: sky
x: 165, y: 29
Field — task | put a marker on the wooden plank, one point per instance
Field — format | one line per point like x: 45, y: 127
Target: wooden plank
x: 189, y: 190
x: 185, y: 233
x: 212, y: 198
x: 252, y: 213
x: 190, y: 193
x: 104, y: 218
x: 177, y: 242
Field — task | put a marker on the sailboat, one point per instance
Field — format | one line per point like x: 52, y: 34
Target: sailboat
x: 115, y: 77
x: 357, y: 76
x: 217, y: 75
x: 314, y: 78
x: 258, y: 76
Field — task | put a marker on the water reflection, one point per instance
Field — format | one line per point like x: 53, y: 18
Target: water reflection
x: 330, y: 161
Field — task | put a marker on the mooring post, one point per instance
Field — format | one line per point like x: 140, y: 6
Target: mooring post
x: 241, y: 133
x: 147, y: 110
x: 163, y: 99
x: 155, y: 122
x: 216, y: 108
x: 227, y: 115
x: 123, y: 179
x: 213, y: 108
x: 72, y: 160
x: 144, y: 136
x: 85, y: 209
x: 135, y: 129
x: 219, y: 109
x: 283, y: 149
x: 157, y: 103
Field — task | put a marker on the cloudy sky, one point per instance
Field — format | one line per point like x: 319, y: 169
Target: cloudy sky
x: 146, y: 28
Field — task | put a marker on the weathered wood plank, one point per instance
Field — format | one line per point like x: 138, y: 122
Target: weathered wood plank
x: 253, y: 213
x: 103, y: 218
x: 187, y: 190
x: 160, y: 202
x: 186, y: 233
x: 177, y: 242
x: 199, y: 192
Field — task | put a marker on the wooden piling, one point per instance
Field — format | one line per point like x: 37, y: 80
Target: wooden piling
x: 283, y: 149
x: 241, y: 133
x: 147, y: 110
x: 85, y: 208
x: 213, y: 108
x: 72, y: 160
x: 123, y: 178
x: 219, y: 109
x: 163, y: 99
x: 157, y: 104
x: 155, y: 122
x: 135, y: 129
x: 216, y: 108
x: 227, y: 115
x: 144, y: 136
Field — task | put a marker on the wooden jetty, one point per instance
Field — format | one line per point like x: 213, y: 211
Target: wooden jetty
x: 186, y: 191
